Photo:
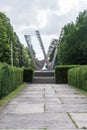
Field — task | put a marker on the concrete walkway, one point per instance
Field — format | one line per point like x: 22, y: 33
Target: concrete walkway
x: 45, y: 107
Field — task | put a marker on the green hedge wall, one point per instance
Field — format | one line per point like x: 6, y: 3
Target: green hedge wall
x: 61, y: 73
x: 10, y: 79
x: 78, y: 77
x: 28, y: 75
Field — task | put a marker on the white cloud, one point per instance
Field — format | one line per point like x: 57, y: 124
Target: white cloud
x: 42, y: 18
x: 65, y: 6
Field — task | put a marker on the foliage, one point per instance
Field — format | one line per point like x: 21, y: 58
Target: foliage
x: 78, y: 77
x: 13, y: 94
x: 52, y: 51
x: 28, y: 75
x: 10, y: 78
x: 72, y: 47
x: 8, y: 37
x: 24, y: 57
x: 61, y: 73
x: 5, y: 31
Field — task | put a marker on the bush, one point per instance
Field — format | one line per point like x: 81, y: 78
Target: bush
x: 10, y: 79
x: 72, y: 73
x: 78, y: 77
x: 61, y: 73
x: 28, y: 75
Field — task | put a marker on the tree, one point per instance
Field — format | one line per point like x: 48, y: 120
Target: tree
x: 52, y: 51
x: 24, y: 57
x: 8, y: 37
x: 73, y: 42
x: 5, y: 27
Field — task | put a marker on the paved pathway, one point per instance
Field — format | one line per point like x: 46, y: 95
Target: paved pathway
x: 45, y: 107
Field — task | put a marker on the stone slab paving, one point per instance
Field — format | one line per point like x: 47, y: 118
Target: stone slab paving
x: 45, y: 107
x: 80, y: 118
x: 23, y: 129
x: 23, y: 108
x: 79, y: 108
x: 45, y: 129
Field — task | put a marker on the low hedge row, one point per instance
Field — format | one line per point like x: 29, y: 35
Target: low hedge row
x: 61, y: 73
x: 28, y: 75
x: 10, y: 79
x: 78, y: 77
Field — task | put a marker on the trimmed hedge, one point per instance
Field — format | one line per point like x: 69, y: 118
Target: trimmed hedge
x: 78, y: 77
x: 61, y: 73
x: 28, y: 75
x: 10, y: 79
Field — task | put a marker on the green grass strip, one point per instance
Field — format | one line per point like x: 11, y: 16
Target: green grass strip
x: 13, y: 94
x: 79, y: 90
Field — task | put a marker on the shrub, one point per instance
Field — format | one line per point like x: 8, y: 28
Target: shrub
x: 78, y: 77
x: 61, y: 73
x: 10, y: 79
x: 28, y: 75
x: 72, y: 74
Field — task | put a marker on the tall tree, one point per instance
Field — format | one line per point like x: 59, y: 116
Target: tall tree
x: 7, y: 37
x: 5, y: 30
x: 52, y: 51
x: 24, y: 57
x: 10, y: 44
x: 73, y: 42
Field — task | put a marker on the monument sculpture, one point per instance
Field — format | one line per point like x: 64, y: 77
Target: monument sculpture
x: 45, y: 63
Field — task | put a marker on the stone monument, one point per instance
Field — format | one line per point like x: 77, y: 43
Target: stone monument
x: 42, y: 64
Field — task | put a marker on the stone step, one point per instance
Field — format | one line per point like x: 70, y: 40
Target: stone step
x: 44, y: 73
x: 43, y: 80
x: 44, y: 77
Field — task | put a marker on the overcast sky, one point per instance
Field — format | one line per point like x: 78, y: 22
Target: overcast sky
x: 47, y: 16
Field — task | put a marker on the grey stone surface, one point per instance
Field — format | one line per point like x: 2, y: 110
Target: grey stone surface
x: 67, y: 95
x: 45, y: 129
x: 23, y: 129
x: 80, y: 119
x: 53, y: 100
x: 65, y: 129
x: 66, y: 108
x: 25, y: 108
x: 46, y: 120
x: 45, y: 107
x: 74, y: 100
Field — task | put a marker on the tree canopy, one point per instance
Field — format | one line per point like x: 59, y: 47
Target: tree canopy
x: 53, y: 47
x: 21, y: 57
x: 72, y: 48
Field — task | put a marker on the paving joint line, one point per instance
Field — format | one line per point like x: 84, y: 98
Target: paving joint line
x: 73, y: 121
